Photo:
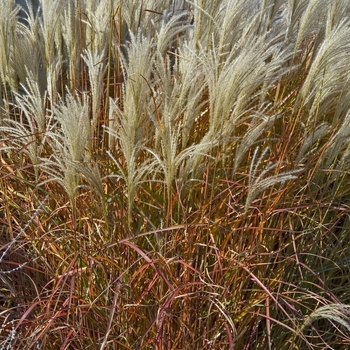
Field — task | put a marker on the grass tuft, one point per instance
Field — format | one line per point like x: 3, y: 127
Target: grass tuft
x: 174, y: 174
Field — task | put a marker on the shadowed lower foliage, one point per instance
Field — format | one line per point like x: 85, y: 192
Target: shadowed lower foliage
x: 175, y: 174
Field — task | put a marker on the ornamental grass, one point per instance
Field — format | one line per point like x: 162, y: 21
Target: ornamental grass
x: 175, y: 174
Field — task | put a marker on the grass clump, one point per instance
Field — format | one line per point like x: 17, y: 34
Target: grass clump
x: 174, y: 174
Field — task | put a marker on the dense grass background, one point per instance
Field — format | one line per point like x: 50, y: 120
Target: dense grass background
x: 175, y: 174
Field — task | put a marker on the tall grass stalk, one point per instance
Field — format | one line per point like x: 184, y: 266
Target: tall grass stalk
x: 174, y: 174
